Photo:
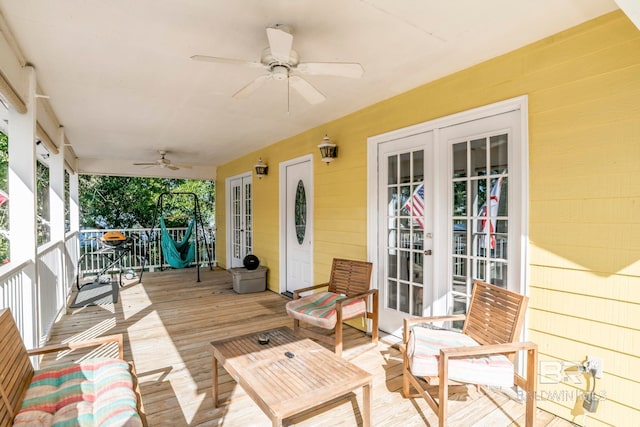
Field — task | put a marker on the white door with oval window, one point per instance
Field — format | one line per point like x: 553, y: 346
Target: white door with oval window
x: 296, y: 224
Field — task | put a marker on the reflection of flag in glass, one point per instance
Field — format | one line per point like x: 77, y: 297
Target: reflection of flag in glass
x: 489, y: 226
x: 4, y: 197
x: 415, y: 205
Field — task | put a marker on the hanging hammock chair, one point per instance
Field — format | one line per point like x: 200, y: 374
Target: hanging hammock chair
x: 178, y: 254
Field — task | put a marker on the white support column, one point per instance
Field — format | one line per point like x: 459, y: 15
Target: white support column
x: 56, y: 191
x: 74, y: 214
x: 22, y: 206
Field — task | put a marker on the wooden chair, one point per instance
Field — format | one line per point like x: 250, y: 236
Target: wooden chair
x: 482, y: 353
x: 346, y: 297
x: 16, y: 374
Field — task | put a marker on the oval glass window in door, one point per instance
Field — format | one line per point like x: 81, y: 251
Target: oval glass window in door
x: 300, y: 212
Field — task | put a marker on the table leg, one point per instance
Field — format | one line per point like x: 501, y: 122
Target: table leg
x: 366, y: 405
x: 215, y: 380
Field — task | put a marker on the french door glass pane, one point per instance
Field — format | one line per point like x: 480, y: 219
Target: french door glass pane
x: 392, y: 170
x: 392, y: 294
x: 460, y: 160
x: 459, y: 198
x: 499, y: 154
x: 417, y: 306
x: 479, y: 221
x: 404, y: 297
x: 405, y: 238
x: 405, y: 168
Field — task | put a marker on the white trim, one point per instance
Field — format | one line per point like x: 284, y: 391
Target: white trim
x: 631, y: 8
x: 451, y: 120
x: 282, y: 216
x: 227, y: 210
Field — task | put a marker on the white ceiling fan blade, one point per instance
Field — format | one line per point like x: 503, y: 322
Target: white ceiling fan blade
x: 308, y: 92
x: 280, y: 43
x: 252, y: 87
x: 173, y: 167
x: 340, y: 69
x: 181, y: 166
x: 145, y: 164
x: 232, y: 61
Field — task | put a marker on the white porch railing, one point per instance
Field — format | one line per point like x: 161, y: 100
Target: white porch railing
x: 37, y: 295
x: 145, y: 246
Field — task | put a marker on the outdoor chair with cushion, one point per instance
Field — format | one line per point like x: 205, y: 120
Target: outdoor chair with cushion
x: 346, y: 297
x: 482, y: 353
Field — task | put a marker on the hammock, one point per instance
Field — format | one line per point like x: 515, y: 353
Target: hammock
x: 178, y: 254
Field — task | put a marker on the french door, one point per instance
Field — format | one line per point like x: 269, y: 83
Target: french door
x: 450, y: 207
x: 239, y: 219
x: 405, y: 239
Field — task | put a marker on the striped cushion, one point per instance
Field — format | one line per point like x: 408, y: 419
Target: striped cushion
x: 98, y: 392
x: 319, y: 309
x: 423, y: 350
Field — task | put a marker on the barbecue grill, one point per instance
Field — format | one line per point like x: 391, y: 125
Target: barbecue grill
x: 115, y: 247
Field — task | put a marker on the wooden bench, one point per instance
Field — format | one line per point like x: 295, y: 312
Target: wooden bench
x: 30, y: 395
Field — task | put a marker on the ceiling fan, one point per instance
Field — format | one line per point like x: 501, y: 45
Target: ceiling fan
x: 282, y: 62
x: 163, y: 162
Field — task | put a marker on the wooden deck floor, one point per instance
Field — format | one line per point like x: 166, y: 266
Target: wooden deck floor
x: 169, y: 320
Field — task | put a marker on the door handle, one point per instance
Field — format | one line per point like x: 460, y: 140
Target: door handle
x: 428, y: 252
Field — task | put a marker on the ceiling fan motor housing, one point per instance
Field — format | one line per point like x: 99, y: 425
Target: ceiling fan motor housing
x: 280, y: 72
x: 270, y: 61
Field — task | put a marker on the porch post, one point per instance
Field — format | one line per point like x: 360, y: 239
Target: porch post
x: 22, y: 205
x: 56, y: 220
x: 74, y: 216
x: 56, y: 191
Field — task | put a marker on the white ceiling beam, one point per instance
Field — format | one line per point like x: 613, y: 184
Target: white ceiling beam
x: 631, y: 8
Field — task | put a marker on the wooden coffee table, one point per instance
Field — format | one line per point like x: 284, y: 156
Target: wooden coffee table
x: 284, y: 386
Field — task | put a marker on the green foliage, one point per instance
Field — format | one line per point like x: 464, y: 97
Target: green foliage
x: 4, y: 186
x: 42, y: 194
x: 130, y: 202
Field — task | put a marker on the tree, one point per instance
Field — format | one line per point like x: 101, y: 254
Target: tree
x: 130, y: 202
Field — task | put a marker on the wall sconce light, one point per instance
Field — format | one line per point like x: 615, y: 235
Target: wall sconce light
x: 261, y: 168
x: 328, y: 150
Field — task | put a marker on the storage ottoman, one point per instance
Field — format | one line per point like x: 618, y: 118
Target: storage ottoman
x: 246, y: 281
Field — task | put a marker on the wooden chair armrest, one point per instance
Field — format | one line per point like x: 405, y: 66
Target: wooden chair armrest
x: 352, y: 297
x: 487, y: 349
x: 82, y: 344
x: 296, y: 293
x: 410, y: 321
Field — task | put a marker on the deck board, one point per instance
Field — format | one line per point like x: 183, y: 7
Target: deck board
x: 169, y: 320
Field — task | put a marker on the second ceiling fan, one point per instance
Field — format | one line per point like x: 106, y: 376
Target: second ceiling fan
x: 283, y: 63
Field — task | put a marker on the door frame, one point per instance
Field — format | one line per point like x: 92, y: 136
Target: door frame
x: 440, y: 270
x: 282, y: 203
x: 227, y: 188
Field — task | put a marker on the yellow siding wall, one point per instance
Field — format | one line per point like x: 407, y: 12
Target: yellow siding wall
x: 584, y: 147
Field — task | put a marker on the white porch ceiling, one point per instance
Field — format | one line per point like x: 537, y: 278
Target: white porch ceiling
x: 120, y: 79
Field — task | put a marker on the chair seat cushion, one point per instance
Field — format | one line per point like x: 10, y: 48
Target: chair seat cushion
x: 423, y: 350
x: 96, y: 392
x: 319, y: 309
